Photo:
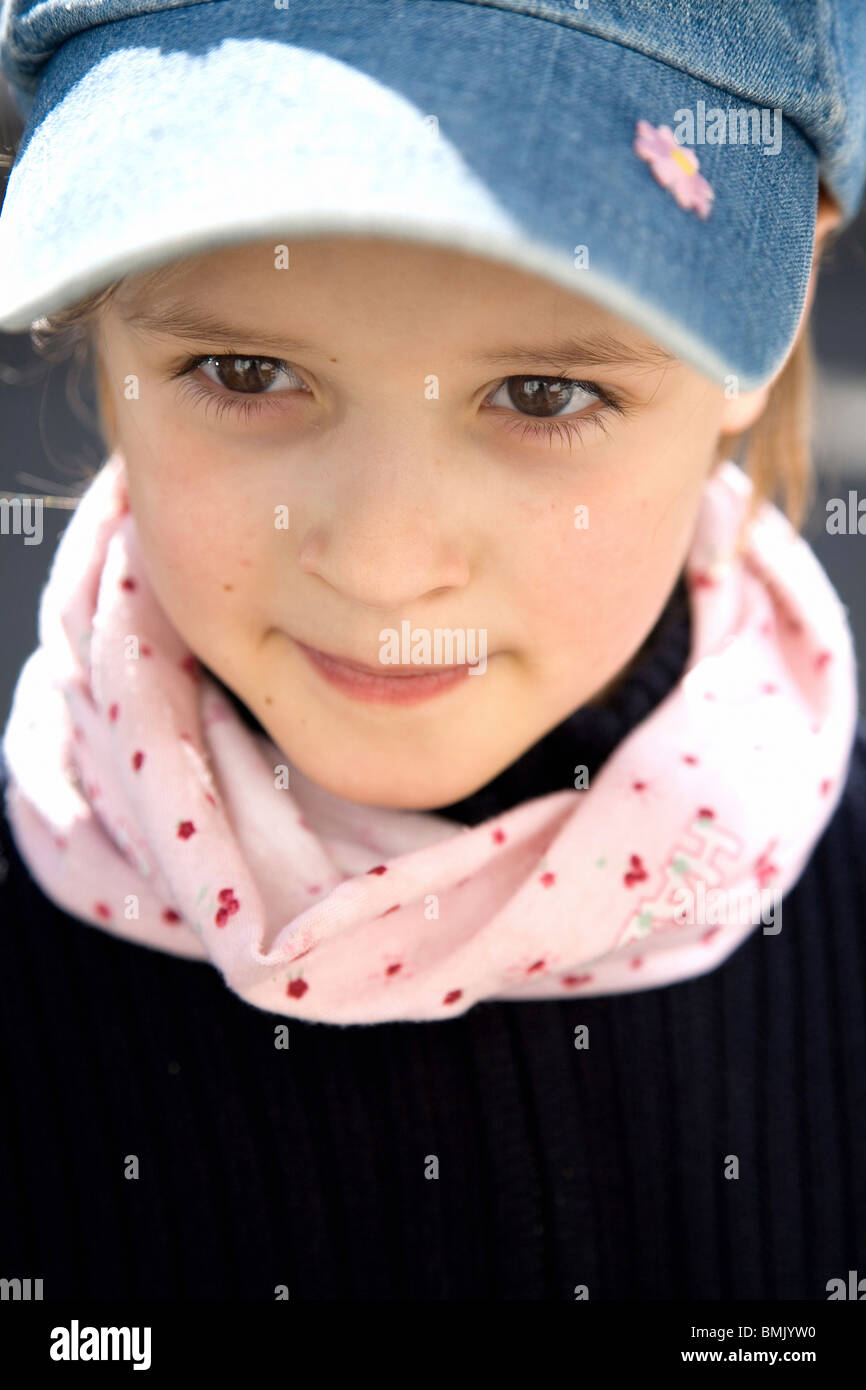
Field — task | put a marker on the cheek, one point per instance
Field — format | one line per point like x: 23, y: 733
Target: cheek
x: 593, y: 589
x: 202, y: 547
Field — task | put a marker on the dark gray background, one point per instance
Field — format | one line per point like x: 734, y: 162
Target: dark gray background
x: 48, y: 438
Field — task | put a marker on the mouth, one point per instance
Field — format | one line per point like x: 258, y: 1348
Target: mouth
x: 401, y: 685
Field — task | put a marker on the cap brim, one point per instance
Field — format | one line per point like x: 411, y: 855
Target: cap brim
x: 502, y: 134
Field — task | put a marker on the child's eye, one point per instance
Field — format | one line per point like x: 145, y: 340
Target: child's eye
x: 548, y: 398
x: 245, y: 380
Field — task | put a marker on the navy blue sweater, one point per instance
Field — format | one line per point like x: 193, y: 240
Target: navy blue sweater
x: 309, y: 1167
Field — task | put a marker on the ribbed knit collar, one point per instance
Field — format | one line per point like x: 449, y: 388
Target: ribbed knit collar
x: 586, y: 737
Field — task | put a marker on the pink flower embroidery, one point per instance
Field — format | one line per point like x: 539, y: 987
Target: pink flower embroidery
x: 674, y: 167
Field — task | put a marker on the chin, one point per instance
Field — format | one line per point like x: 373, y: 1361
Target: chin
x: 410, y: 792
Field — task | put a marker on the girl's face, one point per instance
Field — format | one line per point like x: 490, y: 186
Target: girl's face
x: 379, y: 438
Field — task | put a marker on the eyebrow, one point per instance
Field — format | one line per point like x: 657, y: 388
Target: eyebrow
x: 183, y: 321
x: 596, y: 350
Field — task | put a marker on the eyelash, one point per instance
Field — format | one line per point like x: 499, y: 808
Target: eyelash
x: 569, y: 427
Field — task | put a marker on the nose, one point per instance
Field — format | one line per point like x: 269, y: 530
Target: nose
x: 392, y: 533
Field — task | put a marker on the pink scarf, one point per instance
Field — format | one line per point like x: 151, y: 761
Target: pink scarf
x: 143, y: 805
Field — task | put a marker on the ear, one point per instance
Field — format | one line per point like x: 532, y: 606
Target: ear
x: 740, y: 412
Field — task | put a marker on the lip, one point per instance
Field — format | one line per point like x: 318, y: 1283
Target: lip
x: 401, y: 686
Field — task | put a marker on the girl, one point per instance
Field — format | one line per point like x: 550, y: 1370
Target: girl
x: 420, y: 656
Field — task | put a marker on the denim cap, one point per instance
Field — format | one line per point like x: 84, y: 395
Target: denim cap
x: 661, y: 158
